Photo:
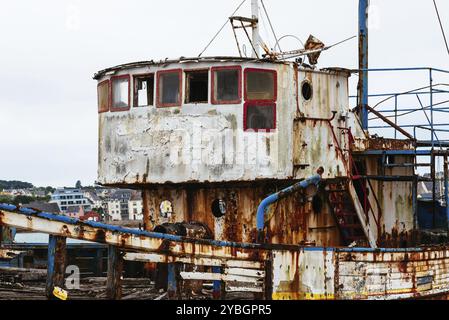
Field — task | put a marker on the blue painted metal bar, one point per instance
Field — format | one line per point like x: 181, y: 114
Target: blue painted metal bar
x: 363, y: 62
x: 412, y: 110
x: 412, y: 126
x: 446, y: 186
x: 400, y: 69
x: 172, y: 280
x: 264, y: 205
x: 392, y: 94
x: 217, y: 284
x: 74, y: 221
x: 396, y: 152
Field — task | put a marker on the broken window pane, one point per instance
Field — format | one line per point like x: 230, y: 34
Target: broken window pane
x: 197, y: 86
x: 260, y: 116
x: 260, y: 85
x: 120, y: 93
x: 169, y: 86
x: 144, y: 91
x: 103, y: 96
x: 226, y: 86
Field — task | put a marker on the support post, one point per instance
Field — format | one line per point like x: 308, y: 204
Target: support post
x: 56, y: 264
x: 115, y: 268
x: 363, y: 63
x: 446, y: 185
x: 173, y: 281
x: 434, y: 186
x: 99, y: 262
x: 218, y: 285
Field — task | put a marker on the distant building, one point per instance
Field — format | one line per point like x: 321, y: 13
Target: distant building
x: 43, y: 206
x: 70, y: 197
x: 75, y: 212
x: 113, y: 210
x: 135, y: 206
x: 91, y: 216
x: 118, y: 204
x: 96, y: 201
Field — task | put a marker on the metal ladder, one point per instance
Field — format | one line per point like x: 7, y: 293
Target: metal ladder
x: 345, y: 214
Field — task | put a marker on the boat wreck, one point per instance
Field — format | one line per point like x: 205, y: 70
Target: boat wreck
x: 260, y: 175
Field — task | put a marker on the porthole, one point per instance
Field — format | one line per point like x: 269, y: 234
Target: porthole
x: 218, y: 208
x: 307, y: 90
x: 166, y: 209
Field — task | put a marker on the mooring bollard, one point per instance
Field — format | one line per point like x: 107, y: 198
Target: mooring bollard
x: 56, y: 264
x: 115, y: 269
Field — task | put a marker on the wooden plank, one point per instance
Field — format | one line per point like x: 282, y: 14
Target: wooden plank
x: 56, y: 263
x: 218, y: 277
x: 115, y: 268
x: 199, y: 261
x: 245, y: 272
x: 244, y: 289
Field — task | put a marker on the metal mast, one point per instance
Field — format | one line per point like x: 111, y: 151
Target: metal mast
x: 255, y: 27
x: 363, y: 63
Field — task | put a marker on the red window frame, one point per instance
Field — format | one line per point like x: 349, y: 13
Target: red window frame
x: 159, y: 104
x: 186, y: 71
x: 275, y: 79
x: 213, y: 98
x: 250, y: 104
x: 108, y: 97
x: 135, y: 77
x: 126, y: 76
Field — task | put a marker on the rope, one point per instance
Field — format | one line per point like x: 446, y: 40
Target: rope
x: 221, y: 29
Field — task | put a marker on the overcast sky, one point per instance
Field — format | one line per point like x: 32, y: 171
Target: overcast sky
x: 50, y: 50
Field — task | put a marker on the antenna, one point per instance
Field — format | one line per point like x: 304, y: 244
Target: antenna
x: 255, y: 27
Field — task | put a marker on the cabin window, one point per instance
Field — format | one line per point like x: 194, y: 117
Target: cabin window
x: 226, y: 85
x: 260, y: 85
x: 197, y: 86
x: 169, y: 88
x: 103, y: 96
x: 144, y: 90
x: 120, y: 93
x: 260, y: 116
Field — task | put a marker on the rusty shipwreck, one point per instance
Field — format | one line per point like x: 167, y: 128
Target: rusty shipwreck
x: 260, y: 175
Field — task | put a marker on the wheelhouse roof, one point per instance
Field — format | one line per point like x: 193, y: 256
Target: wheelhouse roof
x: 140, y: 64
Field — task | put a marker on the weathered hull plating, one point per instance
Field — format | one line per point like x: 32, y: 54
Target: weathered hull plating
x: 273, y: 271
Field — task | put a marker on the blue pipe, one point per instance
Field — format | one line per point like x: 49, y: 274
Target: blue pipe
x: 261, y: 211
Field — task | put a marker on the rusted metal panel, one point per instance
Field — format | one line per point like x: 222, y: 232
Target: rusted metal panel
x: 396, y: 202
x: 303, y: 275
x: 194, y: 203
x: 361, y: 274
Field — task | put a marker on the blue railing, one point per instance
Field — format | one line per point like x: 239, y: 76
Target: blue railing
x: 429, y: 116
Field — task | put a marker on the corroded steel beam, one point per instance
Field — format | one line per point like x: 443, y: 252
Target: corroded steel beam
x: 130, y: 239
